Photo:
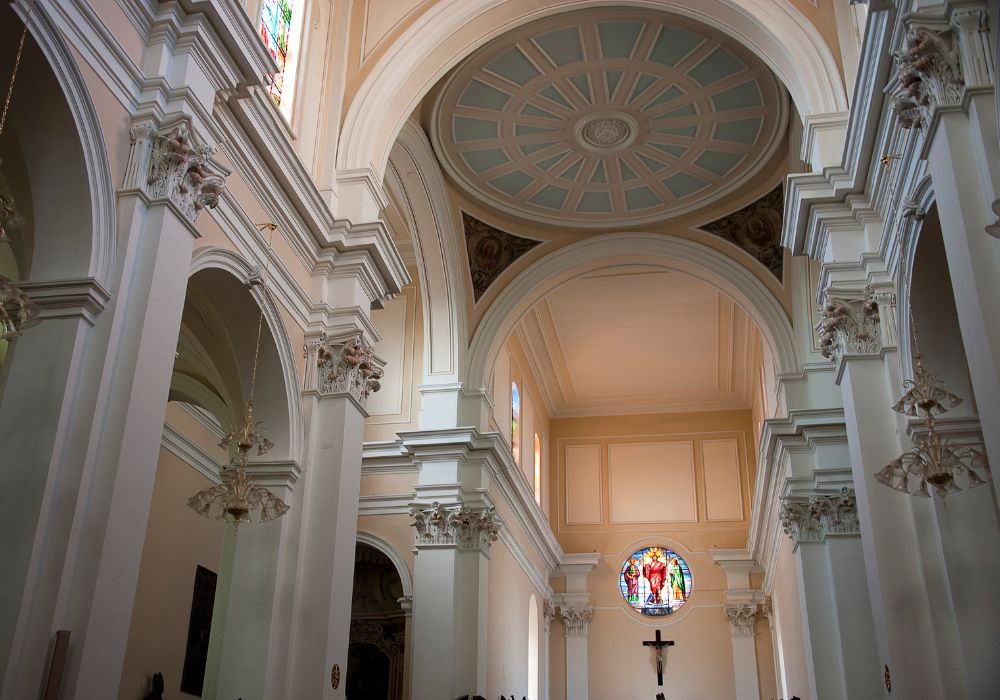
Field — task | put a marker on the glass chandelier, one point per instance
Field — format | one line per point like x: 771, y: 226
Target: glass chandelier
x: 934, y: 461
x: 239, y: 498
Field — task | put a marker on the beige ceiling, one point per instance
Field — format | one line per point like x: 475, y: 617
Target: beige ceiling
x: 639, y: 340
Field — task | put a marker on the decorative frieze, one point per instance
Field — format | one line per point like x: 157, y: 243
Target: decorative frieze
x: 820, y: 516
x: 548, y: 615
x: 348, y: 366
x: 849, y: 327
x: 741, y: 617
x: 576, y: 620
x: 170, y: 165
x: 471, y: 529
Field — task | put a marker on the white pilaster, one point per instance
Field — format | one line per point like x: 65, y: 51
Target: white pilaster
x: 576, y: 613
x: 742, y: 606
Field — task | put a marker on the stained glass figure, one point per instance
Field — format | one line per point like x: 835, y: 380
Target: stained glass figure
x: 275, y: 25
x: 515, y: 422
x: 655, y: 581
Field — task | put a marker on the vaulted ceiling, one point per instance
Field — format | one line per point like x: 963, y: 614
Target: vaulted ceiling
x: 637, y: 340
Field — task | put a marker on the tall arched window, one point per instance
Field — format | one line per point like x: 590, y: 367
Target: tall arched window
x: 533, y: 647
x: 515, y: 422
x: 279, y: 29
x: 538, y: 470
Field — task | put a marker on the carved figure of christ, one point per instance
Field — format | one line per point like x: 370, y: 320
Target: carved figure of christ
x: 658, y: 645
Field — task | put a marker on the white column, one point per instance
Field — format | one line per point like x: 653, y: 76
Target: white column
x: 854, y: 326
x: 90, y: 525
x: 742, y: 605
x: 251, y: 617
x: 576, y: 613
x: 836, y: 613
x: 450, y: 589
x: 548, y: 615
x: 340, y: 376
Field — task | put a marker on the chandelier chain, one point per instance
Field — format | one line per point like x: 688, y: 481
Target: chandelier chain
x: 17, y: 63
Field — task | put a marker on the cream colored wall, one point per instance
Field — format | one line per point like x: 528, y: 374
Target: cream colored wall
x: 507, y: 631
x: 178, y: 540
x: 396, y: 405
x: 700, y: 664
x: 793, y: 678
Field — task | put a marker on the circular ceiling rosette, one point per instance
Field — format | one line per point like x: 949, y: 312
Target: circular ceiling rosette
x: 604, y: 118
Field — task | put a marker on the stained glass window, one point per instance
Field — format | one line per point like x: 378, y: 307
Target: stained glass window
x: 515, y: 422
x: 655, y: 581
x: 538, y: 470
x: 275, y: 27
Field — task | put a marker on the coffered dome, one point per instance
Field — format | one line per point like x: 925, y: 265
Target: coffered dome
x: 608, y: 117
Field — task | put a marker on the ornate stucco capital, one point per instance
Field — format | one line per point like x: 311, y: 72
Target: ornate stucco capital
x: 548, y: 614
x: 345, y: 367
x: 849, y: 326
x: 942, y: 60
x: 819, y: 516
x: 576, y: 620
x: 10, y: 217
x: 468, y: 529
x: 170, y: 164
x: 741, y: 617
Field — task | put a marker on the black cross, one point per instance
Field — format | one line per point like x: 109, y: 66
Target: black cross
x: 658, y: 646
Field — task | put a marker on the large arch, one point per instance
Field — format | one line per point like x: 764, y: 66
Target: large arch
x: 646, y: 249
x: 790, y: 45
x: 415, y: 179
x: 232, y: 263
x: 376, y: 542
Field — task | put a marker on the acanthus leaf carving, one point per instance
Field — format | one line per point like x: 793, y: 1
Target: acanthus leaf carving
x: 176, y: 168
x: 930, y: 75
x: 470, y: 529
x: 548, y: 614
x: 741, y: 617
x: 10, y: 217
x: 348, y: 367
x: 849, y: 327
x: 821, y: 515
x: 576, y: 620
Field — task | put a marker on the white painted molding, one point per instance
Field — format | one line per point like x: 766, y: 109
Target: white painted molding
x: 395, y: 557
x: 185, y: 449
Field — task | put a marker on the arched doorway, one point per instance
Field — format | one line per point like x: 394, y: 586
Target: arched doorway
x: 378, y: 628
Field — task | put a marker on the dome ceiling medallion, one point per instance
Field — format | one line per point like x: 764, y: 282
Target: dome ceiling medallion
x: 600, y: 117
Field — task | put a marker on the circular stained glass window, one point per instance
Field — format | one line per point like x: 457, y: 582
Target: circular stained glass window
x: 655, y: 581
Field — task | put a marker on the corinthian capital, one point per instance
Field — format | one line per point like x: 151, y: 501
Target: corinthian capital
x: 548, y: 614
x: 741, y: 617
x: 347, y: 366
x: 170, y: 165
x: 576, y: 620
x: 470, y: 529
x: 816, y: 518
x: 849, y: 327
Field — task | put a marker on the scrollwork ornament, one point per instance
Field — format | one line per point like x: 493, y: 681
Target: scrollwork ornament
x: 849, y: 327
x: 929, y: 73
x: 467, y: 528
x: 180, y: 170
x: 819, y: 516
x: 348, y: 367
x: 741, y: 617
x: 548, y: 614
x: 576, y: 620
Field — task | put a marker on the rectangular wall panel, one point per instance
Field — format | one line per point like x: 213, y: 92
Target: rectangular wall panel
x: 723, y: 495
x: 652, y: 482
x: 582, y: 477
x: 391, y: 321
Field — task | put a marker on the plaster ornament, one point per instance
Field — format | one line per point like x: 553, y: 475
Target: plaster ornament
x: 467, y: 528
x: 819, y: 516
x: 929, y: 74
x: 576, y: 620
x: 756, y: 228
x: 849, y: 327
x: 741, y: 617
x: 548, y: 614
x: 181, y: 171
x: 10, y: 217
x: 348, y: 367
x: 491, y: 251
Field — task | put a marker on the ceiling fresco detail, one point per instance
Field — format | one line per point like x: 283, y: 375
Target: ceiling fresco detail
x: 756, y: 228
x: 491, y: 251
x: 606, y: 118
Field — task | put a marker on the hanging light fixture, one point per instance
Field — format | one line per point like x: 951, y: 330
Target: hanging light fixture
x: 17, y: 311
x: 934, y: 461
x: 239, y: 497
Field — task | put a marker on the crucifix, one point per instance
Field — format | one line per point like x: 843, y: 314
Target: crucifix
x: 658, y: 646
